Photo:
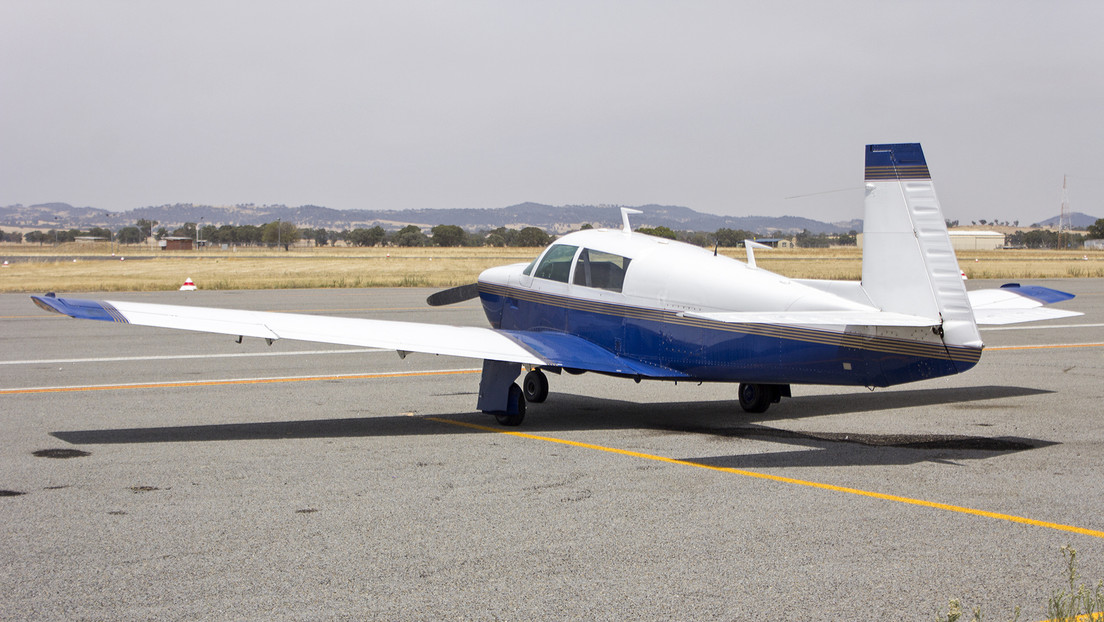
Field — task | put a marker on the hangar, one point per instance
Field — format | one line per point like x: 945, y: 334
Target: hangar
x: 976, y: 240
x: 967, y: 240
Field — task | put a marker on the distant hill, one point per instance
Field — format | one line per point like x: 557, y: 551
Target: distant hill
x: 1077, y: 221
x: 554, y: 219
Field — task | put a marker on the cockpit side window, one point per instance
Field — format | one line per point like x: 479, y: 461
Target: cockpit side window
x: 556, y: 263
x: 601, y: 270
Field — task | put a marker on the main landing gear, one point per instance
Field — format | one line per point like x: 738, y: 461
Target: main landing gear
x: 534, y: 388
x: 757, y: 398
x: 500, y: 396
x: 515, y: 409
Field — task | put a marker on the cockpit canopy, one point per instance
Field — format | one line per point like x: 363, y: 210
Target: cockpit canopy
x: 591, y: 268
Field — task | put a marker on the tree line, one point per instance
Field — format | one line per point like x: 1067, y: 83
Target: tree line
x: 282, y: 233
x: 285, y: 234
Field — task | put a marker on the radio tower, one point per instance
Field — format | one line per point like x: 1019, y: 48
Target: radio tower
x: 1064, y: 215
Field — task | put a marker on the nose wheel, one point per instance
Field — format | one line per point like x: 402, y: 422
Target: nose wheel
x: 535, y: 386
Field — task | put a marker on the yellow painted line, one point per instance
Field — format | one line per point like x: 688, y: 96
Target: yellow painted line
x: 786, y: 480
x: 212, y: 383
x: 1051, y: 346
x: 1084, y: 617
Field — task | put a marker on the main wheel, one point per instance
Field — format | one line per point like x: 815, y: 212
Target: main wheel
x: 535, y: 386
x: 756, y: 398
x: 515, y: 409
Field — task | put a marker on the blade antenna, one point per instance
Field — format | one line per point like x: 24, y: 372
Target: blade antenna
x: 625, y: 211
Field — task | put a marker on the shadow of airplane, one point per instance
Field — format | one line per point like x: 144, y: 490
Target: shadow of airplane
x: 838, y: 449
x: 721, y: 419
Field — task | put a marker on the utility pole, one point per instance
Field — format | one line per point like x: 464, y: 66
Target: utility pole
x: 1063, y: 215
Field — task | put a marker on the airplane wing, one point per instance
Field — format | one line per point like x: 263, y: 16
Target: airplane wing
x: 1014, y: 303
x: 536, y: 348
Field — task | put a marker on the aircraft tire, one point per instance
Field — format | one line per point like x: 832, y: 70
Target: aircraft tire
x: 535, y: 386
x: 516, y: 413
x: 755, y: 398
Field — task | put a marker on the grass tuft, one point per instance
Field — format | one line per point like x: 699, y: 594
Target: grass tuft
x: 1073, y: 602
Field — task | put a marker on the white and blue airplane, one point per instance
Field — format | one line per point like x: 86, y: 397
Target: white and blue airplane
x: 630, y: 305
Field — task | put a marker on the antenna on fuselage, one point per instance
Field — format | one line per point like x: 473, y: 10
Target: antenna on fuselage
x: 750, y: 246
x: 625, y: 211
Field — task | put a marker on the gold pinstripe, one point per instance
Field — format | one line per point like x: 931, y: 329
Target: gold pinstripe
x: 915, y: 171
x: 887, y: 345
x: 114, y: 313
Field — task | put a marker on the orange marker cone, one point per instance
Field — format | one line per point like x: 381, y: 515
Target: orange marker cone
x: 188, y: 286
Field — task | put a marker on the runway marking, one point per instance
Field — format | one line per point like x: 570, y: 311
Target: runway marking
x: 210, y: 383
x: 173, y: 357
x: 787, y: 480
x: 1042, y: 327
x: 1049, y: 346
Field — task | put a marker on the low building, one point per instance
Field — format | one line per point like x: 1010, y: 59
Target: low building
x: 1095, y: 245
x: 976, y: 240
x: 176, y: 244
x: 776, y: 242
x: 966, y: 240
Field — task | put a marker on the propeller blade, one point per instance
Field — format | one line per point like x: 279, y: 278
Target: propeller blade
x: 453, y: 295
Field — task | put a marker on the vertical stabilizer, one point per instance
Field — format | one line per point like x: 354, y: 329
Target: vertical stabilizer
x: 909, y: 265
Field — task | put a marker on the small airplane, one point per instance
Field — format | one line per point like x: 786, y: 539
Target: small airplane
x: 630, y: 305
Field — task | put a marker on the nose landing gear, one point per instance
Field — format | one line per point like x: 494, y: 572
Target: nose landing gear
x: 535, y: 385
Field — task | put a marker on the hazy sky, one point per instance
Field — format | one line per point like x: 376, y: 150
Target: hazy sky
x: 724, y: 107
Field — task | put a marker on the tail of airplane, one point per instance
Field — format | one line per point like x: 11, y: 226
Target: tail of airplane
x: 909, y: 265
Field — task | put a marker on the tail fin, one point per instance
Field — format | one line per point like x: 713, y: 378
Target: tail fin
x: 909, y: 265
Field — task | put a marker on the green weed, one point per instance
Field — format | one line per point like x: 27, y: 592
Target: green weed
x: 1073, y: 602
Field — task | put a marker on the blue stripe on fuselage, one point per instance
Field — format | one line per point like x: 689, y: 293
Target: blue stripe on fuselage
x: 718, y: 351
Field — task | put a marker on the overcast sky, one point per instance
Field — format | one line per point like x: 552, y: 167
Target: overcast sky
x: 724, y: 107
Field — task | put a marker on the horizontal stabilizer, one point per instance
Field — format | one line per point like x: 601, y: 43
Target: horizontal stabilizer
x: 997, y: 317
x: 828, y: 319
x: 1014, y: 303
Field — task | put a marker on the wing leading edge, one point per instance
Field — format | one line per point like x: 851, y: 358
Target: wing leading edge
x: 535, y: 348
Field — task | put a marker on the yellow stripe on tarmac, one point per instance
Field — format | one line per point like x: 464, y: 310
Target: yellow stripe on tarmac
x: 211, y: 383
x: 787, y: 480
x: 1047, y: 347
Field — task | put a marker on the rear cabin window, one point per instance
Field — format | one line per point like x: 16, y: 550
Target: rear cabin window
x: 601, y: 270
x: 556, y: 263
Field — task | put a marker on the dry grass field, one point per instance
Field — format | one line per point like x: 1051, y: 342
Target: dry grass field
x: 85, y: 267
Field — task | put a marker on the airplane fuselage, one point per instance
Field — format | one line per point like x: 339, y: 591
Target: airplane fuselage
x: 649, y: 301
